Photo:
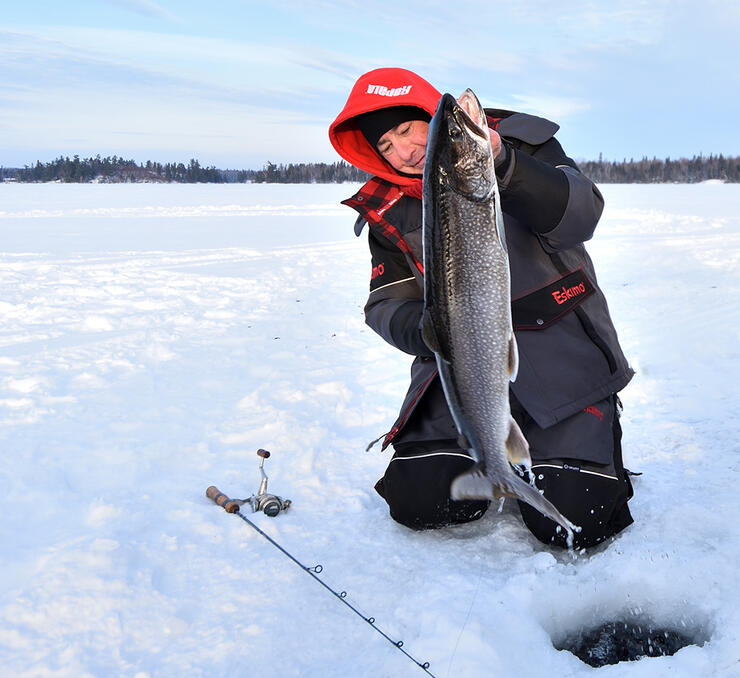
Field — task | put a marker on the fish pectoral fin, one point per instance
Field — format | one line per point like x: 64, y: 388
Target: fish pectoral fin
x: 517, y: 447
x: 463, y: 442
x: 513, y: 358
x: 472, y: 485
x: 477, y: 485
x: 428, y: 333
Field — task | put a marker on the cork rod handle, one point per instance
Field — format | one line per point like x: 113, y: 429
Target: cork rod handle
x: 228, y: 505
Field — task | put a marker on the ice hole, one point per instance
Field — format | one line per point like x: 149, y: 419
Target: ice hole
x: 629, y: 638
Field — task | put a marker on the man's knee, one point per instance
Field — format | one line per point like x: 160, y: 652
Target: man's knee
x: 416, y: 487
x: 595, y: 501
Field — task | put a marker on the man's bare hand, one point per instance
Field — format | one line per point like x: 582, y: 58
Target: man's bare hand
x: 495, y: 142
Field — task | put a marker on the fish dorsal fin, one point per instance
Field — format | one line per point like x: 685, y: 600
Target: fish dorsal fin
x: 513, y: 358
x: 517, y: 447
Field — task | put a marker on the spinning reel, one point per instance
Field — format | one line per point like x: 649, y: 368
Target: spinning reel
x: 270, y: 504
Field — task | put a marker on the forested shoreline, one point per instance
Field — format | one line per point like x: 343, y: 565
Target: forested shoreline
x: 114, y: 169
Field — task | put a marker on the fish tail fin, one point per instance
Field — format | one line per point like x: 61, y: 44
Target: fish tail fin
x: 516, y: 487
x: 477, y: 485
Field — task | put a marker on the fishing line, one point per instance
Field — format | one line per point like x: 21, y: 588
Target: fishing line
x: 467, y: 617
x: 233, y: 507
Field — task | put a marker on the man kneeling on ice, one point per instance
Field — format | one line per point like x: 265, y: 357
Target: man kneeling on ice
x: 570, y: 364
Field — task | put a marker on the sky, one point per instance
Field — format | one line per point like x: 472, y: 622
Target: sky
x: 238, y: 83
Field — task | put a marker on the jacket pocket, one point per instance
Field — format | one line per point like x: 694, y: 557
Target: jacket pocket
x: 586, y: 436
x: 541, y: 308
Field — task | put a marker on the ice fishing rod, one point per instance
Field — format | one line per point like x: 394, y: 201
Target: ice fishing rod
x: 233, y: 506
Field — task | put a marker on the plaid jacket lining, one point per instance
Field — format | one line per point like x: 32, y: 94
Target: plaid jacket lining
x: 372, y: 201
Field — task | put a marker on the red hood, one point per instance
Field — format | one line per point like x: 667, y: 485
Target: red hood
x: 381, y: 88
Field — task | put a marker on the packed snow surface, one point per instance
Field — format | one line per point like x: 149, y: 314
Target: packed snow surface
x: 153, y: 337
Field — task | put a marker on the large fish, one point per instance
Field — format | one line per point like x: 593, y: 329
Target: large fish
x: 467, y: 312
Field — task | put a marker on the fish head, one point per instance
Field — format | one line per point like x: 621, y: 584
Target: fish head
x: 463, y: 146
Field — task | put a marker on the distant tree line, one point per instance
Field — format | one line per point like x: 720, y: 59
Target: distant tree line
x: 118, y: 170
x: 655, y: 171
x: 114, y: 170
x: 304, y: 173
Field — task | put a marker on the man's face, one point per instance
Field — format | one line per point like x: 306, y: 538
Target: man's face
x: 404, y: 146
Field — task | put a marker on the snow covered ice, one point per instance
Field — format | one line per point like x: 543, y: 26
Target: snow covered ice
x: 154, y: 337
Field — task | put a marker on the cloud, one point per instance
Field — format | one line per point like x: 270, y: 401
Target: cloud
x: 90, y: 121
x: 60, y: 98
x: 552, y: 107
x: 475, y: 29
x: 146, y: 8
x: 256, y: 70
x: 150, y: 67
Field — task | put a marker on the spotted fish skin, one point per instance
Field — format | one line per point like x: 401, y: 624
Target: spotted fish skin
x: 467, y: 308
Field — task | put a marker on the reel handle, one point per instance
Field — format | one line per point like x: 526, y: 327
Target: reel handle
x: 263, y: 453
x: 228, y: 505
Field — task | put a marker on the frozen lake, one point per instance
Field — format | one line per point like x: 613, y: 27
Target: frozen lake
x: 153, y: 337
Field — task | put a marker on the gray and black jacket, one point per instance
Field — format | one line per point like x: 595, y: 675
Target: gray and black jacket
x: 569, y: 355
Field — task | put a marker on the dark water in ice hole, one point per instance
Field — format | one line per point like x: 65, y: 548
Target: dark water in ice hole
x: 619, y: 641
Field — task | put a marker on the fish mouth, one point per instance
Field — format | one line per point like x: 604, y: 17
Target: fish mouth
x: 472, y: 112
x: 467, y: 123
